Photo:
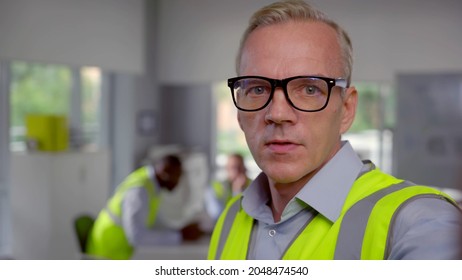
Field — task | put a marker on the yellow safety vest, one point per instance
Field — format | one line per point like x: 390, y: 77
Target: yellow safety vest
x: 107, y: 238
x: 223, y: 191
x: 361, y: 231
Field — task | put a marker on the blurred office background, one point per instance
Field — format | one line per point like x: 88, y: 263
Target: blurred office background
x: 132, y: 80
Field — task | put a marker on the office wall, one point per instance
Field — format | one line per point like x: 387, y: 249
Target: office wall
x: 123, y: 133
x: 187, y: 118
x: 427, y: 143
x: 104, y: 33
x: 5, y: 248
x: 50, y: 191
x: 146, y: 94
x: 198, y: 39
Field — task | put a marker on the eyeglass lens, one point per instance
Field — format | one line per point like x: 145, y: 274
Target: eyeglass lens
x: 308, y: 94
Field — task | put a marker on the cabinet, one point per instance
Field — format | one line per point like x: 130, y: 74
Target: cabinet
x: 427, y: 142
x: 47, y: 191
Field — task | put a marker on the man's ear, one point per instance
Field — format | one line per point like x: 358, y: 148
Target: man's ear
x: 349, y: 103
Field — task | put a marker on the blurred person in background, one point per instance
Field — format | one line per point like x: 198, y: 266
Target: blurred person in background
x: 129, y: 218
x: 221, y: 191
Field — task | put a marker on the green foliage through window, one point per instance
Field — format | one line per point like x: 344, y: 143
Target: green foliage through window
x: 374, y: 111
x: 38, y: 89
x: 47, y: 89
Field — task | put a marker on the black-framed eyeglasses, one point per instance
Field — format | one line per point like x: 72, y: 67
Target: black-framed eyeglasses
x: 304, y: 93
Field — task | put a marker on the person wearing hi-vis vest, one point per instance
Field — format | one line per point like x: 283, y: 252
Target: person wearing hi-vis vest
x: 315, y: 199
x: 130, y: 214
x: 221, y: 191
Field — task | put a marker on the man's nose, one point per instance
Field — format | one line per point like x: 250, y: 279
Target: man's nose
x: 279, y: 109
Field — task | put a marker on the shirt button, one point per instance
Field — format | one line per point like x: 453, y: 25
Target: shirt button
x: 272, y: 232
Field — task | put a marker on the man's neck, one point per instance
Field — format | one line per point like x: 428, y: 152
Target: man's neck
x: 282, y: 194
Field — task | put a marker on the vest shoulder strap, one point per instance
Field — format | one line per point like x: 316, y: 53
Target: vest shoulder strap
x: 231, y: 214
x: 351, y: 234
x: 357, y: 225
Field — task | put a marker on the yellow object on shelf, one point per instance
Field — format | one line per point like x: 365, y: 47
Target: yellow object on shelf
x: 51, y: 132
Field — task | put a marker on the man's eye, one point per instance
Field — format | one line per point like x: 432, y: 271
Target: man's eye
x: 258, y: 90
x: 311, y: 90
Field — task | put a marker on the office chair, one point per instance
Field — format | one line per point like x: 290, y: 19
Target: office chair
x: 82, y: 226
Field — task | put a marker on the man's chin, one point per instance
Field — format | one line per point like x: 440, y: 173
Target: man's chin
x: 282, y: 175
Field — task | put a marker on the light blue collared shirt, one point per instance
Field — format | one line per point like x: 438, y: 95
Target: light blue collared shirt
x: 427, y: 228
x: 135, y: 211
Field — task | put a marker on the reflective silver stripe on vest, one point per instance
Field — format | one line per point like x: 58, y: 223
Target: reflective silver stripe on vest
x: 114, y: 218
x: 229, y: 220
x: 353, y: 227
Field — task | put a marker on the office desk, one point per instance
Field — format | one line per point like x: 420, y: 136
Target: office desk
x: 187, y: 251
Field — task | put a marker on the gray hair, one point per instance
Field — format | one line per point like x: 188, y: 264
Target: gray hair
x: 297, y: 10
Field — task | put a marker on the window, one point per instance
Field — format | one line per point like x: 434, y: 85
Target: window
x: 32, y: 88
x: 371, y: 132
x: 49, y: 89
x: 36, y: 89
x: 230, y: 138
x: 91, y: 97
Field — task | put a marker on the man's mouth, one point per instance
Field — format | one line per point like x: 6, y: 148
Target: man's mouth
x: 281, y: 146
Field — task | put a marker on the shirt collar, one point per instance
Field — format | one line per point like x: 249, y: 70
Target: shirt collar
x: 255, y: 199
x: 325, y: 192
